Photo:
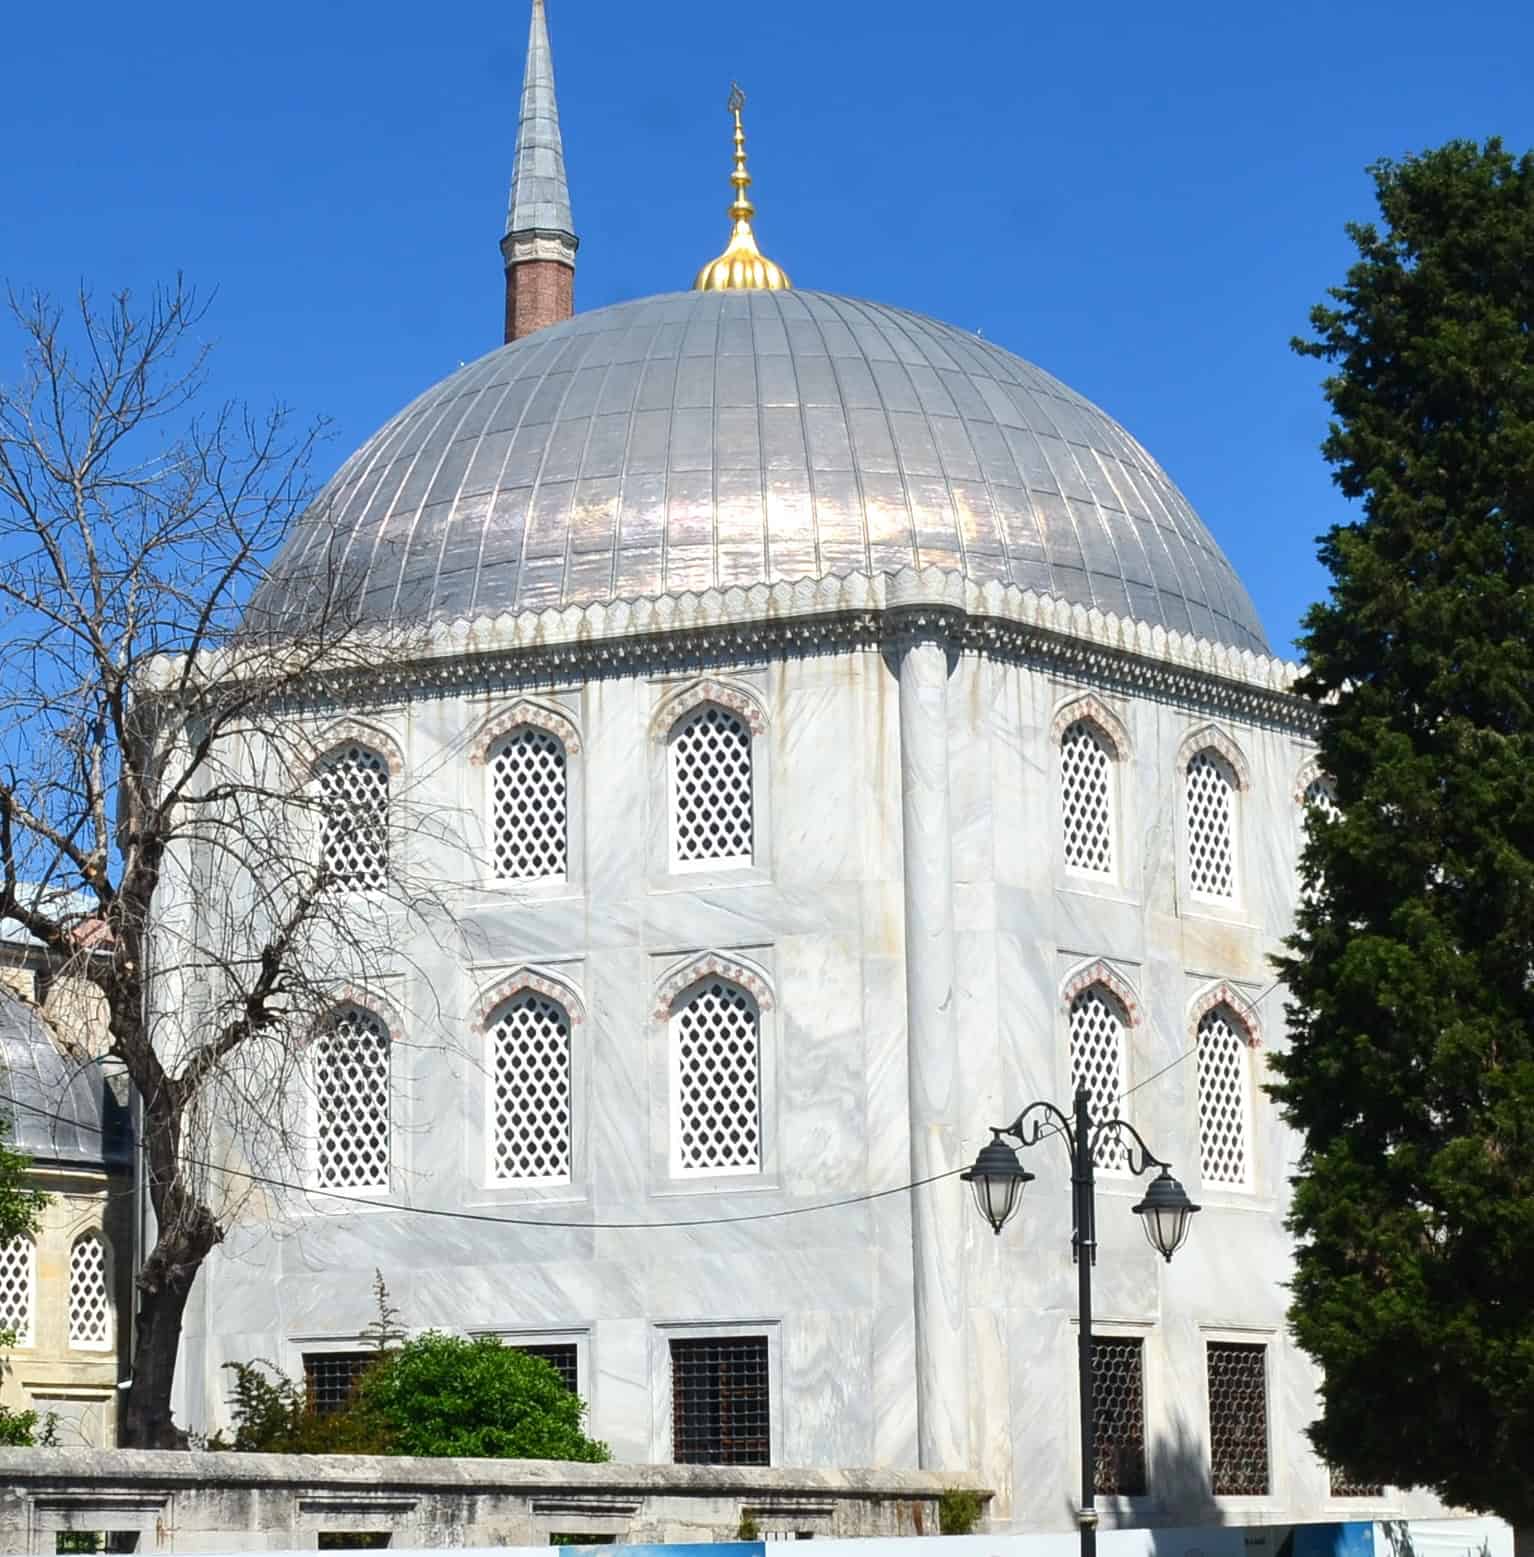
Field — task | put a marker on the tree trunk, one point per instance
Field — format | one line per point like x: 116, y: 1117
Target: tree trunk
x: 164, y: 1284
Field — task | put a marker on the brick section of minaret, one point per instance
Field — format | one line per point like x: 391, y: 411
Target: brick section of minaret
x: 539, y: 293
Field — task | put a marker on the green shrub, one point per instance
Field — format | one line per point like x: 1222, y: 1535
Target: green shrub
x: 441, y: 1395
x: 959, y: 1511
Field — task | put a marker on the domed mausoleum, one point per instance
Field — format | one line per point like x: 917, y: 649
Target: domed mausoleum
x: 838, y: 735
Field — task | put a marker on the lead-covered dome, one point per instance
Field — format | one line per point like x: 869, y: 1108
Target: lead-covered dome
x: 705, y: 440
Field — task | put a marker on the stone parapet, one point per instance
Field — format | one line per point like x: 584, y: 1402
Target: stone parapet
x: 199, y: 1502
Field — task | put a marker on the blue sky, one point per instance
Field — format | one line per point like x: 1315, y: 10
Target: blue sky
x: 1143, y: 200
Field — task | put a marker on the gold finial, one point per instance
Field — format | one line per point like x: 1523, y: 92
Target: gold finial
x: 742, y: 265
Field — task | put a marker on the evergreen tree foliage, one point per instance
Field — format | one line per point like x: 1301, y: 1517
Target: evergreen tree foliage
x: 1411, y: 973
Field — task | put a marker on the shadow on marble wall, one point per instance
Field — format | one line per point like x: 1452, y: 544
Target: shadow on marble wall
x: 1179, y: 1475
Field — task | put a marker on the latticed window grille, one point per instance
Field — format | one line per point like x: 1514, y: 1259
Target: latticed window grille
x: 711, y: 788
x: 351, y: 1089
x: 1086, y: 798
x: 1211, y: 790
x: 1345, y: 1486
x: 562, y: 1357
x: 1321, y: 796
x: 716, y: 1038
x: 18, y: 1288
x: 720, y: 1408
x: 90, y: 1310
x: 331, y: 1378
x: 528, y: 804
x: 354, y: 818
x: 1238, y: 1418
x: 1098, y: 1032
x: 1118, y: 1416
x: 530, y: 1090
x: 1224, y: 1099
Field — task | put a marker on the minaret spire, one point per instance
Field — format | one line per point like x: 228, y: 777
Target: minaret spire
x: 540, y: 242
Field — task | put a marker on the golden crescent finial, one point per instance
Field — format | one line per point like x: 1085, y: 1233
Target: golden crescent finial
x: 742, y: 266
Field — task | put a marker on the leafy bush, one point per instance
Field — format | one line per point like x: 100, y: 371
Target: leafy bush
x: 441, y: 1395
x: 272, y: 1415
x: 959, y: 1511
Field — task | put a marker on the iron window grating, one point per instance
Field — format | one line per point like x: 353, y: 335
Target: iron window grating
x: 1238, y: 1418
x: 562, y: 1356
x: 1118, y: 1416
x: 331, y: 1378
x: 720, y: 1413
x: 1342, y: 1485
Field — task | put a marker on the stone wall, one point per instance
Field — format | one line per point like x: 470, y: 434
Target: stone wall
x: 256, y: 1502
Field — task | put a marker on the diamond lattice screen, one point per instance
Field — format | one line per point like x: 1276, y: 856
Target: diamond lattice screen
x: 1086, y: 799
x: 1320, y: 794
x: 527, y: 805
x: 1224, y: 1109
x: 1118, y: 1416
x: 1238, y: 1418
x: 531, y: 1079
x: 1097, y: 1063
x: 1211, y: 830
x: 354, y: 808
x: 711, y: 788
x: 90, y: 1314
x: 18, y: 1284
x: 351, y: 1088
x: 718, y: 1102
x: 1345, y: 1486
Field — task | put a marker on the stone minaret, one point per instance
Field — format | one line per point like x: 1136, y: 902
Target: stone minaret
x: 540, y: 242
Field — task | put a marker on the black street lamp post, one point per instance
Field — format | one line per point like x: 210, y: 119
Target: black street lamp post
x: 997, y: 1179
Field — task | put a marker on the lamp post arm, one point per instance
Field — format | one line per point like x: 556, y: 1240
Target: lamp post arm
x: 1139, y: 1162
x: 1038, y: 1121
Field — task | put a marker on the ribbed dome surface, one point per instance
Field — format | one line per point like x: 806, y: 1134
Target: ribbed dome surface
x: 58, y: 1115
x: 703, y: 440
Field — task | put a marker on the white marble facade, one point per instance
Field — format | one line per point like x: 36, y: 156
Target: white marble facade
x: 911, y: 937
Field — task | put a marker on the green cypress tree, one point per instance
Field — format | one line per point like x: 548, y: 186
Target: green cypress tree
x: 1411, y: 973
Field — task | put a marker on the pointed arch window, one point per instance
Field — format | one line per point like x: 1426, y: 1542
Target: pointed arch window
x: 354, y: 818
x: 18, y: 1289
x: 712, y: 799
x: 1088, y: 769
x: 1099, y: 1040
x: 1225, y: 1098
x: 529, y: 805
x: 90, y: 1307
x: 530, y: 1104
x: 1210, y: 796
x: 716, y: 1080
x: 351, y: 1064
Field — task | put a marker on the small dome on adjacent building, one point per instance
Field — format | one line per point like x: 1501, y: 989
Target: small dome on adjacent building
x: 711, y: 439
x: 57, y: 1110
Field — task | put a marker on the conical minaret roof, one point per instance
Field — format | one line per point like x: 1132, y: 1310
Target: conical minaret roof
x: 540, y: 195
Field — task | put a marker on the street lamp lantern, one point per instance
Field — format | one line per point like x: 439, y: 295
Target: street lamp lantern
x: 1166, y: 1213
x: 997, y: 1180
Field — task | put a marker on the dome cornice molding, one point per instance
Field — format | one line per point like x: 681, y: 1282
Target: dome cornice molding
x: 853, y: 611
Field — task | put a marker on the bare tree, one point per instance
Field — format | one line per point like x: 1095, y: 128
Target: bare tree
x: 163, y: 830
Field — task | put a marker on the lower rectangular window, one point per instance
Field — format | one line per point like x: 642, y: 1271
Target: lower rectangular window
x: 1118, y: 1415
x: 561, y: 1356
x: 719, y: 1402
x: 1344, y: 1486
x: 331, y: 1378
x: 1238, y: 1418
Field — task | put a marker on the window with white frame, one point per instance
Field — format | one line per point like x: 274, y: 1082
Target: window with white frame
x: 354, y: 818
x: 18, y: 1288
x: 1321, y: 795
x: 716, y: 1069
x: 351, y: 1093
x: 712, y: 798
x: 530, y: 1119
x: 90, y: 1309
x: 1099, y: 1033
x: 529, y: 805
x: 1211, y: 817
x: 1087, y: 764
x: 1224, y: 1099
